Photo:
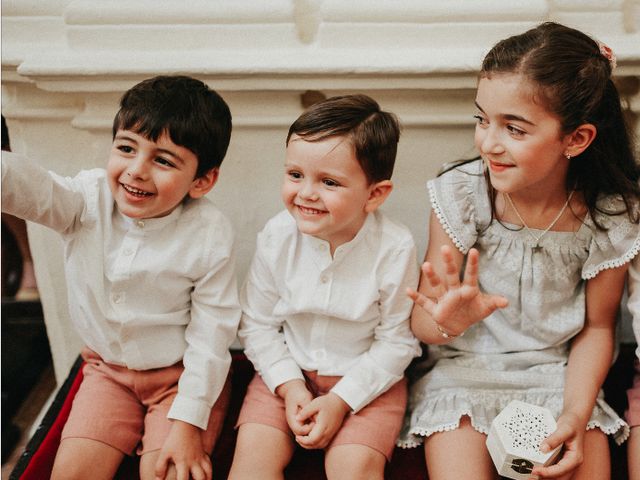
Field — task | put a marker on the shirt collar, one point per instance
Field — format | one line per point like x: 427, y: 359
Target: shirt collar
x: 149, y: 224
x: 321, y: 245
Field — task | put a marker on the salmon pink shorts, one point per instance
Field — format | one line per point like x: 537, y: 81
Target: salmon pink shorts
x: 376, y: 426
x: 633, y: 394
x: 127, y: 409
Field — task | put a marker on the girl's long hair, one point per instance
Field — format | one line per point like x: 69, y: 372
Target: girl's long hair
x: 573, y: 78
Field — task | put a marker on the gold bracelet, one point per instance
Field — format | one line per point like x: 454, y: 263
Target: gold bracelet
x: 445, y: 334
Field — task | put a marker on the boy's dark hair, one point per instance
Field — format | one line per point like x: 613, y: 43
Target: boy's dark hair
x: 194, y: 116
x: 573, y: 79
x: 373, y: 133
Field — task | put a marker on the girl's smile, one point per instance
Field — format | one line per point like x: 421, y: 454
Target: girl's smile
x: 498, y: 167
x: 519, y: 139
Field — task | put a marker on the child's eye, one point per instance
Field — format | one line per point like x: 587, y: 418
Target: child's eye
x: 125, y: 148
x: 515, y: 131
x: 480, y: 119
x: 164, y: 161
x: 295, y: 175
x: 330, y: 183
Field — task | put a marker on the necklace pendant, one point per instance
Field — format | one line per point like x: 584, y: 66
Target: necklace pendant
x: 536, y: 248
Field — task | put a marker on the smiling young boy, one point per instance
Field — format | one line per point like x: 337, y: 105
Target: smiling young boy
x: 151, y: 283
x: 325, y: 313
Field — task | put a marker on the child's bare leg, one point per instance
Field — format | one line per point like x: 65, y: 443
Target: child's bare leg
x: 148, y: 466
x: 633, y: 453
x: 82, y: 458
x: 354, y: 462
x: 263, y: 449
x: 459, y: 453
x: 597, y: 462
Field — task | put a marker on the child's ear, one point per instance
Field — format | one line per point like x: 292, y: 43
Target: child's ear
x: 580, y: 139
x: 204, y: 183
x: 377, y: 195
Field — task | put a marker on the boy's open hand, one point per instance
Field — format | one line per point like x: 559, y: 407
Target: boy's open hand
x: 452, y: 304
x: 328, y: 411
x: 183, y: 448
x: 296, y: 396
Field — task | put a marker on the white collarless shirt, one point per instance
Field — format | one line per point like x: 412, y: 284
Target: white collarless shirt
x: 345, y: 316
x: 143, y: 294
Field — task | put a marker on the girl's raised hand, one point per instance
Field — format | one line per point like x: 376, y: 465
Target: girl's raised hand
x: 454, y: 305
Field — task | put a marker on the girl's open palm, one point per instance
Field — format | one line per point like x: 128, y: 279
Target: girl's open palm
x: 452, y: 304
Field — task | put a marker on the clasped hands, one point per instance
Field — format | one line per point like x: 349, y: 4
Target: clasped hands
x: 313, y: 421
x: 452, y: 304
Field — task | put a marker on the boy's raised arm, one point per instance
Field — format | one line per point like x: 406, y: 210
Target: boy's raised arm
x: 32, y: 193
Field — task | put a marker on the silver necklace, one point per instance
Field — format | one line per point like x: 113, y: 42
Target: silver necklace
x: 537, y: 238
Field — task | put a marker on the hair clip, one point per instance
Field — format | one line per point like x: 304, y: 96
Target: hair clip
x: 608, y: 54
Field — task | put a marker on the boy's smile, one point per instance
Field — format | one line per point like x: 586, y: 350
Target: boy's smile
x: 150, y: 179
x: 325, y: 188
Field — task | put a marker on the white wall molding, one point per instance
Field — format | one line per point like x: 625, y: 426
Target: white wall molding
x: 65, y: 63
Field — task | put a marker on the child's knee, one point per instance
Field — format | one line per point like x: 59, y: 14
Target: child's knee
x: 260, y: 448
x: 79, y: 458
x: 355, y: 462
x: 66, y: 469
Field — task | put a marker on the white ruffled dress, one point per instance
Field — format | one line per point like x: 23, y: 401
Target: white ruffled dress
x: 519, y: 352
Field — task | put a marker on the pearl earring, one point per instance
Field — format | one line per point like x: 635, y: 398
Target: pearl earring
x: 568, y: 155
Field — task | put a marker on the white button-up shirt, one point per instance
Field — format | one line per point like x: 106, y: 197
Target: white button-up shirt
x: 344, y: 316
x: 142, y: 293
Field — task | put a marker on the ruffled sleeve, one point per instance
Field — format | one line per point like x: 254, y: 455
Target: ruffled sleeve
x: 616, y: 245
x: 460, y: 202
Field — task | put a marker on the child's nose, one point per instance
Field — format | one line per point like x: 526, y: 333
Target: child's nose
x: 137, y: 168
x: 307, y: 190
x: 491, y: 142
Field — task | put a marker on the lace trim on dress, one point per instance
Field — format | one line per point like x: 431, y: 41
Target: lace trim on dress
x: 439, y: 414
x: 417, y: 435
x: 620, y: 431
x: 613, y: 263
x: 442, y: 219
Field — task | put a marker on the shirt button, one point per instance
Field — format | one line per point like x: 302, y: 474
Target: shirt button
x: 118, y: 298
x: 320, y: 354
x: 140, y: 223
x: 324, y: 279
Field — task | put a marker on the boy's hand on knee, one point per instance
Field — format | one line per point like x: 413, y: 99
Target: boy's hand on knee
x: 183, y: 448
x: 571, y: 433
x: 296, y: 396
x: 328, y: 412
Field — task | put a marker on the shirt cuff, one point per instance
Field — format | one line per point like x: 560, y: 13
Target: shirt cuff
x: 281, y: 372
x: 189, y: 410
x: 353, y: 394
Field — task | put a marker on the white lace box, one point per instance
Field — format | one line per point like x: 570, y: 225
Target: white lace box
x: 515, y: 436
